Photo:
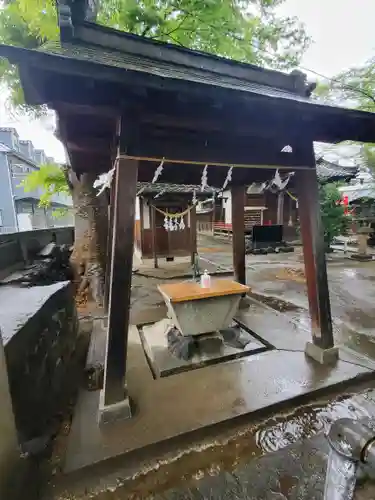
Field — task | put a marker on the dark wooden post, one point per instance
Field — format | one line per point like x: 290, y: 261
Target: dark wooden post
x: 142, y: 222
x: 193, y: 233
x: 153, y: 234
x: 238, y: 231
x: 213, y: 217
x: 115, y: 401
x: 314, y: 257
x: 280, y: 208
x: 109, y: 246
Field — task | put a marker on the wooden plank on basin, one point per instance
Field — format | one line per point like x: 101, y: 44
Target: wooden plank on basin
x: 181, y: 292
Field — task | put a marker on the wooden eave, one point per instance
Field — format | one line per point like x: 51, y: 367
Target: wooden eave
x: 185, y: 105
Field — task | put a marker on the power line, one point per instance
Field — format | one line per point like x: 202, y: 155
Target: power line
x: 273, y: 55
x: 333, y: 80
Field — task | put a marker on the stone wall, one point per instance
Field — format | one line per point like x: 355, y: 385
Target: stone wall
x: 19, y: 248
x: 39, y: 341
x: 9, y: 452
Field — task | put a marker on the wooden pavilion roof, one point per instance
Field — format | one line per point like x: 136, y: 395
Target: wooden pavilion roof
x: 331, y: 172
x: 188, y: 107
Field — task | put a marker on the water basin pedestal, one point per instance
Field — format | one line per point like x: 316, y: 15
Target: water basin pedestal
x: 200, y: 320
x: 196, y: 311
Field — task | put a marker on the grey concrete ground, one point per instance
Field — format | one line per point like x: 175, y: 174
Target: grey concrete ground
x: 284, y: 457
x: 261, y: 461
x: 187, y: 402
x: 279, y: 281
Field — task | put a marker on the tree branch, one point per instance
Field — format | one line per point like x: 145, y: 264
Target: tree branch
x: 176, y: 41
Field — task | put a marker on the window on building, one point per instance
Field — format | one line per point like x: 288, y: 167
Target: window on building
x: 1, y: 218
x: 20, y: 169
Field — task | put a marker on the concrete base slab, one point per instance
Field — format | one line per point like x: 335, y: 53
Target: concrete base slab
x: 163, y: 363
x: 272, y: 327
x: 180, y: 405
x: 113, y: 413
x: 322, y: 356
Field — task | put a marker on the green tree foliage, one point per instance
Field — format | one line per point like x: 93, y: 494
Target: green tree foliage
x: 26, y: 24
x: 245, y: 30
x: 368, y: 156
x: 355, y: 88
x: 334, y: 220
x: 51, y: 178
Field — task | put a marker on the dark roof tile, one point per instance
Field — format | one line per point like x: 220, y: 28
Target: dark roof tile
x: 128, y: 61
x: 330, y: 172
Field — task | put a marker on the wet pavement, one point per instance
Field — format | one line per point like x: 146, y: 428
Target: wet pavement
x: 200, y: 398
x: 277, y: 280
x: 283, y: 457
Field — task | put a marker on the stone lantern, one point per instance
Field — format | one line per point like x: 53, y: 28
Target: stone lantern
x: 363, y: 234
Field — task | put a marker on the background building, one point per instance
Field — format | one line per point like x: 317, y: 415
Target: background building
x: 19, y: 210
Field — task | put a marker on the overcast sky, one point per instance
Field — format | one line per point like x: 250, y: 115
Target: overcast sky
x: 342, y: 33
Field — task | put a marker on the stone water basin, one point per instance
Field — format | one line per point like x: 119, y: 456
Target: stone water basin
x: 196, y: 310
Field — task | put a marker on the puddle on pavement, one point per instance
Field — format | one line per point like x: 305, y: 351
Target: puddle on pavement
x: 306, y: 422
x: 349, y: 272
x: 274, y: 302
x: 361, y: 318
x: 362, y: 341
x: 247, y: 443
x: 238, y: 446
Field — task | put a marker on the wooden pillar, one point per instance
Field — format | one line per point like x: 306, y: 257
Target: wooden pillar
x: 238, y: 230
x: 115, y: 402
x: 213, y: 217
x: 314, y: 257
x: 280, y: 208
x: 142, y: 201
x: 153, y: 233
x: 193, y: 233
x: 109, y: 246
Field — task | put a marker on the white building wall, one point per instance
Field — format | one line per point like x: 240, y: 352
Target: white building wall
x: 137, y: 209
x: 25, y: 222
x: 227, y: 204
x: 146, y: 216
